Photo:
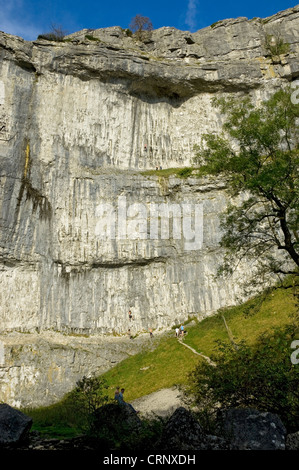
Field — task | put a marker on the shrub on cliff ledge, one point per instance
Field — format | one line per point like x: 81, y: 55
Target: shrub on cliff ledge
x: 275, y: 44
x: 141, y: 26
x: 56, y: 34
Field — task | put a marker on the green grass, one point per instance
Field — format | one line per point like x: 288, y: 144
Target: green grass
x: 55, y: 421
x: 179, y: 172
x: 91, y: 38
x: 276, y: 309
x: 168, y: 363
x: 150, y: 371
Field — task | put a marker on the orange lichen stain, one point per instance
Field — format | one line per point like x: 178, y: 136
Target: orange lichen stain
x: 27, y: 159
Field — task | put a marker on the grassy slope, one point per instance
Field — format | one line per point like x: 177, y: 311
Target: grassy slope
x: 168, y: 363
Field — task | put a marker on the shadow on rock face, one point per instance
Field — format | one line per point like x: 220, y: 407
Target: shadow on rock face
x: 114, y: 422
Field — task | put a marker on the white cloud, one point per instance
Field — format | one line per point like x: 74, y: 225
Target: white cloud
x: 190, y: 19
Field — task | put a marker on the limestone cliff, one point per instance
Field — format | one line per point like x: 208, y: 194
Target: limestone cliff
x: 79, y: 121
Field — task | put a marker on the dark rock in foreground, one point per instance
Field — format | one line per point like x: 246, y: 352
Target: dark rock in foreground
x: 250, y: 429
x: 239, y: 429
x: 292, y: 441
x: 14, y: 425
x: 182, y: 431
x: 113, y: 417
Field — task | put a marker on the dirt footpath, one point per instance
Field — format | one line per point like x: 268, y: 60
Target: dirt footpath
x: 162, y: 403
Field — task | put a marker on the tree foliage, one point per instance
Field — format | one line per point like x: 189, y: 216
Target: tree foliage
x: 260, y: 376
x: 258, y: 155
x: 88, y: 396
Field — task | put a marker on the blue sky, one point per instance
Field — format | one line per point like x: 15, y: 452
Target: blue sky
x: 28, y: 18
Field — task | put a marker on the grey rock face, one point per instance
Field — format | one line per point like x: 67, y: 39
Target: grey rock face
x: 39, y: 369
x: 250, y: 429
x: 14, y: 425
x: 58, y: 274
x: 79, y: 122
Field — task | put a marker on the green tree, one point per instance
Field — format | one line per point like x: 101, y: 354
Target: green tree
x: 261, y: 376
x: 89, y: 395
x: 257, y: 153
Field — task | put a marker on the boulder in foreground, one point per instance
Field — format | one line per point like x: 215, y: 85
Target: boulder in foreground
x: 14, y: 425
x: 251, y: 429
